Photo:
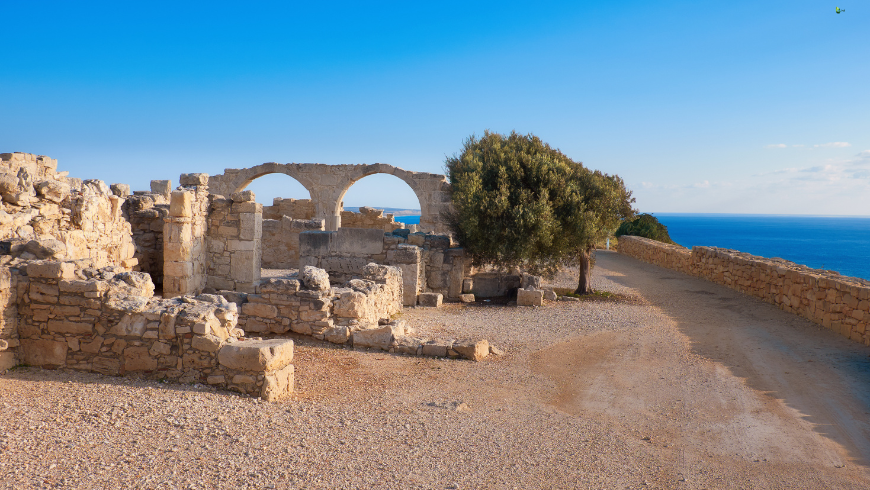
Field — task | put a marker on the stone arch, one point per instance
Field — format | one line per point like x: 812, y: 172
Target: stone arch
x: 327, y: 184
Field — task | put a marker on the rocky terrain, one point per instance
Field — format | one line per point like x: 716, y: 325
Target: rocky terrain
x: 689, y: 385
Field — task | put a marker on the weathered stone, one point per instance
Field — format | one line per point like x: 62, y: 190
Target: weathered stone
x: 466, y: 298
x: 7, y: 360
x: 257, y: 355
x: 106, y: 365
x: 138, y: 359
x: 194, y: 179
x: 279, y: 384
x: 432, y: 300
x: 474, y: 351
x: 162, y: 187
x: 380, y: 338
x: 314, y: 278
x: 70, y: 327
x: 527, y: 297
x: 434, y: 350
x: 120, y: 190
x: 52, y: 190
x: 337, y: 335
x: 550, y: 295
x: 207, y: 343
x: 43, y: 352
x: 51, y: 270
x: 259, y: 309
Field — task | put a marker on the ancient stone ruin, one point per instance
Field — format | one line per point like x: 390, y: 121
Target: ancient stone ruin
x: 168, y: 283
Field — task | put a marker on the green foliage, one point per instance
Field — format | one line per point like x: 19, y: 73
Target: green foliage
x: 647, y: 226
x: 519, y: 202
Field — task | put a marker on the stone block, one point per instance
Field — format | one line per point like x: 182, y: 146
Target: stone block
x: 279, y: 384
x: 120, y: 190
x: 358, y: 241
x: 474, y: 351
x: 243, y: 196
x: 42, y: 352
x: 257, y: 355
x: 162, y: 187
x: 314, y: 279
x: 466, y: 298
x: 337, y: 335
x: 207, y: 343
x: 106, y: 365
x: 380, y: 338
x: 432, y: 300
x: 139, y: 359
x: 7, y: 360
x: 434, y: 350
x: 550, y: 295
x: 351, y: 304
x: 260, y: 309
x: 406, y: 254
x: 70, y: 327
x: 194, y: 179
x: 181, y: 204
x: 51, y: 270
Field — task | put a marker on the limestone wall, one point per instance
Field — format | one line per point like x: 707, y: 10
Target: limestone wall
x: 8, y: 318
x: 107, y: 321
x: 839, y: 303
x: 234, y: 242
x: 45, y: 214
x: 280, y: 241
x: 146, y: 219
x: 428, y: 262
x: 294, y: 208
x: 184, y: 238
x: 370, y: 218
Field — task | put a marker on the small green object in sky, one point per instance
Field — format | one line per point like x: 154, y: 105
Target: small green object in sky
x: 839, y: 10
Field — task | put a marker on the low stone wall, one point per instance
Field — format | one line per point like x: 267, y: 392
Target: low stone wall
x: 280, y: 242
x: 107, y: 321
x: 428, y: 262
x: 294, y: 208
x: 357, y: 313
x: 368, y: 217
x: 837, y: 302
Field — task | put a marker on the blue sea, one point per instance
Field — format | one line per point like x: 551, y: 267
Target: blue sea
x: 840, y: 244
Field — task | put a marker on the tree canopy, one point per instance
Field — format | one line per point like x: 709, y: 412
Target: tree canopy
x: 647, y: 226
x: 519, y: 202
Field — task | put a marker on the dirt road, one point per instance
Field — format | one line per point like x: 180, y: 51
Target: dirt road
x: 688, y: 386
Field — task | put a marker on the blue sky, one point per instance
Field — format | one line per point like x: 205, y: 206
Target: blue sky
x: 732, y: 107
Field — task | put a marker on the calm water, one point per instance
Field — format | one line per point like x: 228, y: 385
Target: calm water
x: 834, y: 243
x: 841, y: 244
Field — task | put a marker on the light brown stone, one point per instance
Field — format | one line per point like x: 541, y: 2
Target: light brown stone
x: 257, y: 355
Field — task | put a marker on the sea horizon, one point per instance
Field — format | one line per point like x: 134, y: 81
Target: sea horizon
x: 839, y: 243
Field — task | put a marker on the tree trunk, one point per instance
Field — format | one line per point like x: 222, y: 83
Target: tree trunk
x: 585, y: 284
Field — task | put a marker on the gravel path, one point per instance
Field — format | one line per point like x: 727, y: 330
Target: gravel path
x: 699, y: 388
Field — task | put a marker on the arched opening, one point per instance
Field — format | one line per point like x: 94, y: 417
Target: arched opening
x: 287, y: 211
x: 379, y: 201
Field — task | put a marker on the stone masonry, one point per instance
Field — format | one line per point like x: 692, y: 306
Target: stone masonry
x: 839, y: 303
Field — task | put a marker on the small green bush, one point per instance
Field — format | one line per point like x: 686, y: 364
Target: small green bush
x: 647, y: 226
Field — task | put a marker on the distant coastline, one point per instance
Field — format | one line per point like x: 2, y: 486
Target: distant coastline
x: 394, y: 211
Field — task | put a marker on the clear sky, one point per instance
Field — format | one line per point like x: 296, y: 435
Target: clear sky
x: 732, y: 107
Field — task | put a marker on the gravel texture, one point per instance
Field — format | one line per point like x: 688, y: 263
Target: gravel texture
x: 591, y: 394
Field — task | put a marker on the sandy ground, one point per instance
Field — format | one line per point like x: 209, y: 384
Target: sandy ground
x: 690, y: 385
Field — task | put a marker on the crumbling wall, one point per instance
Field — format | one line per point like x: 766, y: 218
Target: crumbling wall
x: 8, y: 319
x: 429, y: 263
x: 280, y: 241
x: 147, y: 217
x: 839, y: 303
x: 47, y: 215
x: 234, y: 242
x: 370, y: 218
x: 294, y: 208
x: 107, y: 321
x: 184, y: 238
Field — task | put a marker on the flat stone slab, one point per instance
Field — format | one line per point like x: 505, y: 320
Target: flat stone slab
x: 257, y: 355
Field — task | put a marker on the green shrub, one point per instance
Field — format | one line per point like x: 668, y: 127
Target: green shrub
x: 647, y: 226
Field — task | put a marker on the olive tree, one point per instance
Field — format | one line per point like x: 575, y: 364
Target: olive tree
x: 520, y: 203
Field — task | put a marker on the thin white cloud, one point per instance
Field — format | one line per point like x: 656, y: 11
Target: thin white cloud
x: 702, y: 185
x: 797, y: 146
x: 834, y: 144
x: 778, y: 145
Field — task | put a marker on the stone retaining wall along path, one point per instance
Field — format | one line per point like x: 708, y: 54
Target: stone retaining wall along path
x: 837, y: 302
